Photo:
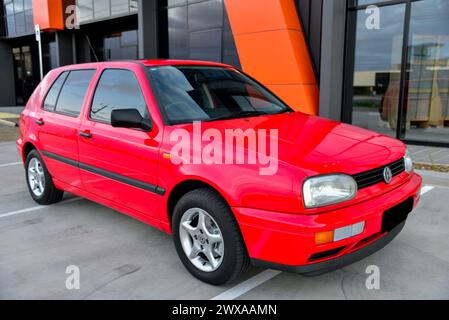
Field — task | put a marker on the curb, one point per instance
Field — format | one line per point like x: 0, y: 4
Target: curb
x: 444, y: 168
x: 8, y: 123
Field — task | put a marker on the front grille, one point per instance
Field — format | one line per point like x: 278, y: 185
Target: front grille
x: 375, y: 176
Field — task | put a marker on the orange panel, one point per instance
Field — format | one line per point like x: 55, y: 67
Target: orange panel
x: 49, y: 14
x: 262, y: 15
x: 272, y: 48
x: 275, y: 57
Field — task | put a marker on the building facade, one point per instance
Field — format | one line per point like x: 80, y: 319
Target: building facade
x: 379, y: 64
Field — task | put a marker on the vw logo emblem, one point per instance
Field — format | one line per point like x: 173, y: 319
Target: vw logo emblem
x: 388, y: 175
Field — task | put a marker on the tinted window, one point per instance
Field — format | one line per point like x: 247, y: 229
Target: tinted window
x: 52, y: 96
x: 117, y: 89
x: 72, y: 95
x: 207, y: 93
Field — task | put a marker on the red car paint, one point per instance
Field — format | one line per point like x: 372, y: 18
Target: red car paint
x: 270, y: 212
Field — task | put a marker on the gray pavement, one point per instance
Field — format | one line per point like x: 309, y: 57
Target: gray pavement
x: 430, y: 155
x: 121, y: 258
x: 12, y: 109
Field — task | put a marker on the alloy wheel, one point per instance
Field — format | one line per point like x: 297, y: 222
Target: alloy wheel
x: 202, y: 240
x: 36, y: 177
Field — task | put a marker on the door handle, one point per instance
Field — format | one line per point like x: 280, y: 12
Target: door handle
x: 86, y: 134
x: 40, y: 122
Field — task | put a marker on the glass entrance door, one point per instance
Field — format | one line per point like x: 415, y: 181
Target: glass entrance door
x: 23, y: 69
x: 398, y: 58
x: 427, y: 86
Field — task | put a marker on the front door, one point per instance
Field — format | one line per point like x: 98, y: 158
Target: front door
x: 119, y: 164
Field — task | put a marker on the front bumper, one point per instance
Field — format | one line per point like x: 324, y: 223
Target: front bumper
x: 287, y: 241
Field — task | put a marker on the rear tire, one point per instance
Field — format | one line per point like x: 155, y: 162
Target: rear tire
x: 218, y: 239
x: 39, y: 182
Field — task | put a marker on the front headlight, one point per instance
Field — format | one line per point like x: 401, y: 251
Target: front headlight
x: 330, y: 189
x: 408, y: 161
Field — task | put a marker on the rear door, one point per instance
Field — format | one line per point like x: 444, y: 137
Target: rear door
x: 120, y: 164
x: 59, y: 121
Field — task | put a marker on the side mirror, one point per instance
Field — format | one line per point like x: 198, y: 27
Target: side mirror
x: 130, y: 118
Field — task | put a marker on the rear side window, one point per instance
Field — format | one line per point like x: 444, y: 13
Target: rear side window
x: 52, y: 96
x: 74, y: 90
x: 117, y: 89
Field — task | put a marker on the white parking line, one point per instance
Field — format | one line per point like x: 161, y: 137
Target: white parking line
x: 247, y: 285
x: 10, y: 164
x: 267, y: 275
x: 14, y: 213
x: 426, y: 189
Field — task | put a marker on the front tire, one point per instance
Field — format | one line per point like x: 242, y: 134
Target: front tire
x: 208, y: 239
x: 39, y: 182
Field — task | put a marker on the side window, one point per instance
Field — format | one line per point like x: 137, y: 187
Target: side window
x: 72, y: 94
x: 117, y: 89
x: 53, y: 93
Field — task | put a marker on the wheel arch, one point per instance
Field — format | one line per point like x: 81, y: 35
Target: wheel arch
x: 185, y: 187
x: 27, y: 148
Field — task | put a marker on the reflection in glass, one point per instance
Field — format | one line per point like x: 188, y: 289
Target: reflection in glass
x: 205, y: 45
x: 377, y: 70
x: 427, y: 105
x: 121, y: 46
x: 369, y: 2
x: 178, y: 30
x: 200, y: 30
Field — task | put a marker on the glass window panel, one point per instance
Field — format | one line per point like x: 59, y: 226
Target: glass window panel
x: 427, y: 111
x: 72, y: 94
x: 206, y: 15
x: 9, y: 8
x: 29, y: 21
x: 133, y: 6
x: 129, y: 53
x: 205, y: 45
x: 377, y: 71
x: 53, y: 93
x: 230, y: 54
x: 85, y: 10
x: 20, y: 23
x: 369, y: 2
x: 18, y: 6
x: 129, y: 38
x: 11, y: 23
x: 171, y: 3
x: 101, y: 9
x: 27, y: 4
x: 117, y: 89
x: 119, y: 7
x: 178, y: 32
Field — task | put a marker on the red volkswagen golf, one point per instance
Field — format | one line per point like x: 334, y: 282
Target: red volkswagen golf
x: 204, y: 152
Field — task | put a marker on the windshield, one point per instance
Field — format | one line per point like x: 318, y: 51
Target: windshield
x: 191, y: 93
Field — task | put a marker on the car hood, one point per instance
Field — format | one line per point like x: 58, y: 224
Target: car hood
x: 319, y: 145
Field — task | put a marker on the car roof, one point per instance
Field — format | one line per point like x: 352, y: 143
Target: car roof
x: 169, y: 62
x: 148, y: 63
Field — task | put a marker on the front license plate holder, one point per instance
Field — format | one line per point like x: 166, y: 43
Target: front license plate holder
x: 396, y: 215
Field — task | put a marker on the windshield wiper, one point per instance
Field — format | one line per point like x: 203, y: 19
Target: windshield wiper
x: 243, y: 114
x: 284, y: 111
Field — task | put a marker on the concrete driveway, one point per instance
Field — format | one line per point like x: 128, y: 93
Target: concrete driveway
x: 120, y: 258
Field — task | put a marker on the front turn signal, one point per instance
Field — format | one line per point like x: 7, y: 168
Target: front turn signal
x: 324, y: 237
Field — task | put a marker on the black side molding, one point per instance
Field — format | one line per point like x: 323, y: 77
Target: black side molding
x: 107, y: 174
